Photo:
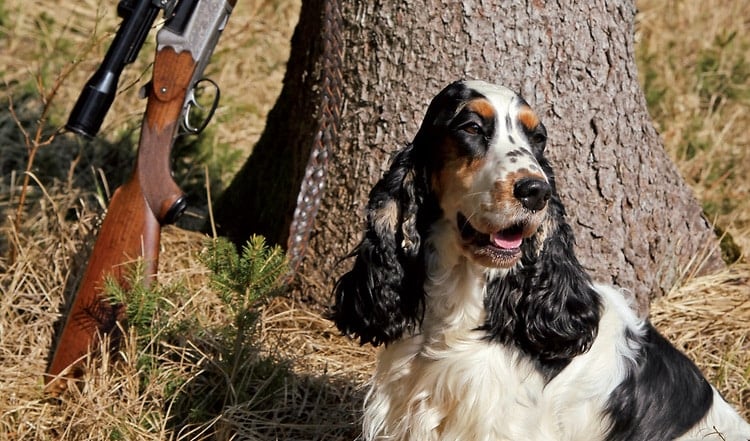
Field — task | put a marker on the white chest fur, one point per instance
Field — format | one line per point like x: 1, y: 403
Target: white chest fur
x: 450, y: 383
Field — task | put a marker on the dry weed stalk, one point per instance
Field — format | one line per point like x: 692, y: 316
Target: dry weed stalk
x: 34, y: 142
x: 32, y: 146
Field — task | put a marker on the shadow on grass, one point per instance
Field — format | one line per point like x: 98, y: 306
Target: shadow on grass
x: 75, y: 162
x: 273, y: 403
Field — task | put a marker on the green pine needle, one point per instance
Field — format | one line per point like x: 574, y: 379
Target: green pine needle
x: 243, y: 280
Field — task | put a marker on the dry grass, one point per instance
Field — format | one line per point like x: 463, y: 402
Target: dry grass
x: 708, y: 318
x: 694, y: 69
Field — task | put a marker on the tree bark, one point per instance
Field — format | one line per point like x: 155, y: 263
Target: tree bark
x: 637, y: 223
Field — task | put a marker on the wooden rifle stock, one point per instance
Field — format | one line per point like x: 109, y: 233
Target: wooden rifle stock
x: 131, y: 229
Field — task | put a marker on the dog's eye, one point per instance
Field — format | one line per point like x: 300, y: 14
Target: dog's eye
x: 472, y: 128
x: 538, y: 138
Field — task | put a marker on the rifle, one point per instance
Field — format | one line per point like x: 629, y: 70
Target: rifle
x: 149, y: 198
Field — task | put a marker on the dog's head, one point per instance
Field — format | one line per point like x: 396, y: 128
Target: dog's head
x: 483, y: 149
x: 476, y: 166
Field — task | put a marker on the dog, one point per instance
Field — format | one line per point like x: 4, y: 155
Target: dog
x: 491, y: 328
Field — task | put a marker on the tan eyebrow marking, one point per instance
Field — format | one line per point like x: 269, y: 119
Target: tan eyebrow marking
x: 528, y: 118
x: 482, y: 107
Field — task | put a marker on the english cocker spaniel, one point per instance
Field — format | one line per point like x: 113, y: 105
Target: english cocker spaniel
x: 491, y: 328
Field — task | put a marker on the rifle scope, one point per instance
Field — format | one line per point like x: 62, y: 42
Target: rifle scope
x: 99, y: 92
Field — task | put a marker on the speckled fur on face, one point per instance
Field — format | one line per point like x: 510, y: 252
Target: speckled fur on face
x: 478, y: 180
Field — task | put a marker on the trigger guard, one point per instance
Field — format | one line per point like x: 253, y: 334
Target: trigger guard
x: 186, y: 126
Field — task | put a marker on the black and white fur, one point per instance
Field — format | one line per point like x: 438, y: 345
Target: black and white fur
x: 492, y: 330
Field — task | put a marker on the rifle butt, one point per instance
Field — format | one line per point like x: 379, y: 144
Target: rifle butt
x: 130, y: 232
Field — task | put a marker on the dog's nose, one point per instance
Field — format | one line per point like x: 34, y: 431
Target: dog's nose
x: 532, y: 192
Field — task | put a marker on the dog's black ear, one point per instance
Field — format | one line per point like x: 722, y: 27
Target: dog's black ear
x: 559, y: 309
x: 382, y: 296
x: 547, y: 306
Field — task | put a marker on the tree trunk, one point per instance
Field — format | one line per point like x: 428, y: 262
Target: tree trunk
x: 637, y: 224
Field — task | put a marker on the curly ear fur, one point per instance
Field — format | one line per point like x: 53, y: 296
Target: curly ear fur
x: 547, y: 306
x: 382, y: 296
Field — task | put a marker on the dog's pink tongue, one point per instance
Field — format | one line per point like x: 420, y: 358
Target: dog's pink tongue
x: 507, y: 240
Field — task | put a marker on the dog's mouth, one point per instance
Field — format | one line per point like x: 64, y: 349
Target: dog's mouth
x: 498, y: 249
